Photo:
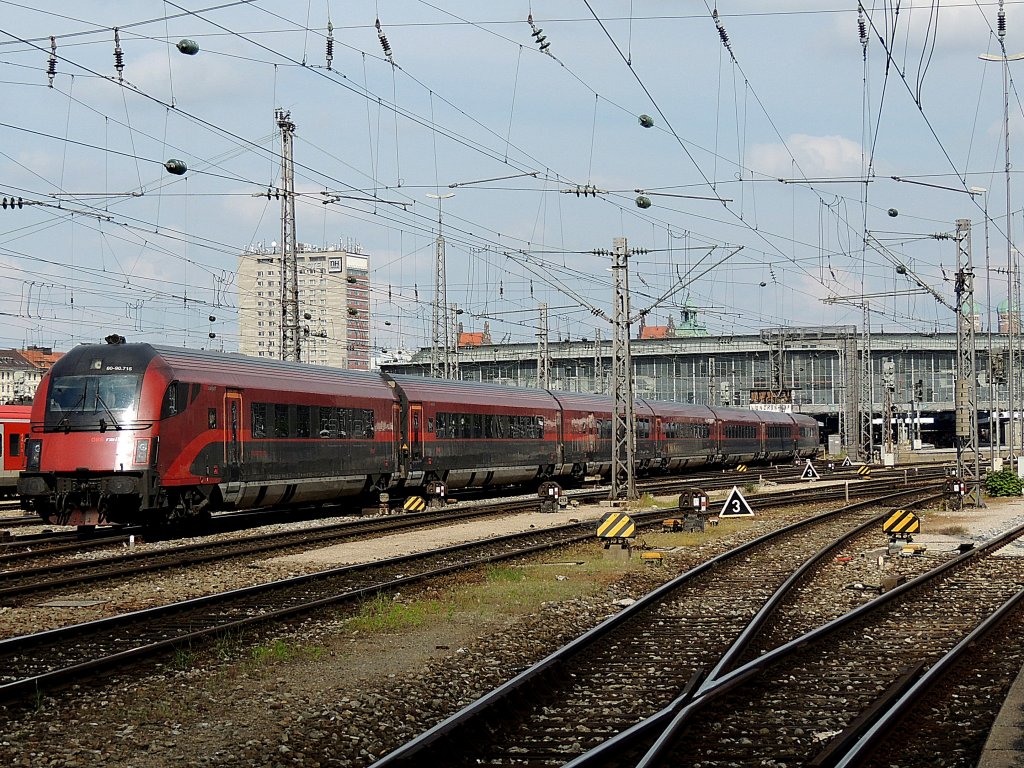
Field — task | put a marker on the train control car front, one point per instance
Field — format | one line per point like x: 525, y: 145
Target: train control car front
x: 92, y: 447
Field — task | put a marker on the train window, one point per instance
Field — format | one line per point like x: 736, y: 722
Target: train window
x: 368, y: 424
x: 280, y: 421
x: 211, y: 418
x: 430, y: 424
x: 14, y: 445
x: 302, y: 421
x: 195, y: 392
x: 329, y: 422
x: 259, y: 420
x: 643, y: 429
x: 478, y: 426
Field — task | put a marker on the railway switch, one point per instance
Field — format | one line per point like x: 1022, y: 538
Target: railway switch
x: 913, y: 550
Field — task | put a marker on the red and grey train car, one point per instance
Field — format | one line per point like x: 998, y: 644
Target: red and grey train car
x: 14, y: 425
x: 139, y: 433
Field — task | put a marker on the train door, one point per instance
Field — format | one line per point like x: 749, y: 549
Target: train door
x: 15, y: 440
x: 416, y: 432
x: 233, y: 436
x: 396, y: 437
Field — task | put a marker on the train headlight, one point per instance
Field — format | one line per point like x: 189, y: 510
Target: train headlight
x: 33, y: 454
x: 141, y: 451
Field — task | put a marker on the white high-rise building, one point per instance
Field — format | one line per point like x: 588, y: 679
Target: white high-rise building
x: 334, y: 304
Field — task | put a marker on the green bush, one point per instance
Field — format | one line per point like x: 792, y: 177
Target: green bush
x: 1003, y: 483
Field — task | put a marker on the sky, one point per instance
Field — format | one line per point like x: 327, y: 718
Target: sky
x: 776, y: 129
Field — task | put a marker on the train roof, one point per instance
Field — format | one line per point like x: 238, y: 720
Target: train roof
x: 15, y: 412
x: 423, y: 389
x: 671, y: 408
x: 227, y: 369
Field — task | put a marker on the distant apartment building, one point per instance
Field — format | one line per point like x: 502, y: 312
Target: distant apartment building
x: 334, y: 305
x: 21, y: 370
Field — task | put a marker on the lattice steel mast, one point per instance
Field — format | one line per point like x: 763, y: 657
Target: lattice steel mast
x: 623, y: 420
x: 291, y: 340
x: 543, y: 353
x: 968, y: 454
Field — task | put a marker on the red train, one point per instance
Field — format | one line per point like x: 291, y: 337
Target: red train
x: 14, y: 421
x: 125, y: 433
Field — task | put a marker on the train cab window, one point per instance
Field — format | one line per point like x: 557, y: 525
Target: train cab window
x: 175, y: 399
x: 14, y: 445
x: 211, y: 418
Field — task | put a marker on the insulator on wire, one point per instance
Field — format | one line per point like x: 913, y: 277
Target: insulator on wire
x: 721, y: 32
x: 51, y: 67
x: 330, y: 44
x: 118, y: 55
x: 384, y: 42
x: 1001, y: 23
x: 12, y: 203
x: 538, y: 35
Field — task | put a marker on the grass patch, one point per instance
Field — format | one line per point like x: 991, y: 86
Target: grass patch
x: 282, y: 652
x: 383, y: 614
x: 953, y: 530
x: 504, y: 573
x: 183, y: 658
x: 647, y: 501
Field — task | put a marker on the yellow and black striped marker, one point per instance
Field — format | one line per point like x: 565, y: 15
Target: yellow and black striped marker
x: 414, y: 504
x: 741, y: 467
x: 616, y: 525
x: 864, y: 471
x: 901, y: 523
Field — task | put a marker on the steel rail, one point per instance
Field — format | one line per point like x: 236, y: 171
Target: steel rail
x: 679, y: 717
x: 430, y: 744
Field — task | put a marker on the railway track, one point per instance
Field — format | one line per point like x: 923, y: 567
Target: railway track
x: 34, y: 662
x: 638, y: 661
x: 16, y: 584
x: 811, y: 700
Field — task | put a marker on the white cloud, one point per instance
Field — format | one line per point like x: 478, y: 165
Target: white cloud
x: 815, y: 156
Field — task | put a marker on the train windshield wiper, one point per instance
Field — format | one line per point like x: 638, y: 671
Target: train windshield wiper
x: 110, y: 413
